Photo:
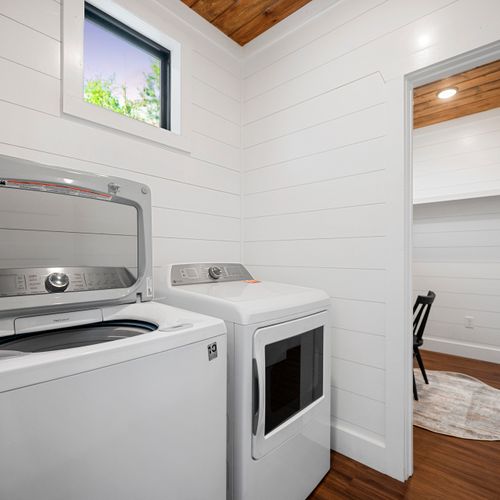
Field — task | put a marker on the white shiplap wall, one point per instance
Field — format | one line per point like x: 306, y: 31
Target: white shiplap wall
x: 196, y: 197
x: 457, y: 159
x: 323, y: 182
x: 457, y: 243
x: 457, y: 255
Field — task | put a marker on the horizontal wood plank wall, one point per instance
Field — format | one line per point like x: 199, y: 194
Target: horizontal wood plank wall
x: 457, y: 255
x: 457, y: 159
x: 196, y: 197
x: 316, y: 149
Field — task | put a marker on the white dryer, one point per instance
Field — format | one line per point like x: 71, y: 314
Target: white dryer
x: 278, y: 378
x: 104, y: 394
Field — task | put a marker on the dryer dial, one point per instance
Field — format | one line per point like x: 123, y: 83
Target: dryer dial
x: 215, y: 272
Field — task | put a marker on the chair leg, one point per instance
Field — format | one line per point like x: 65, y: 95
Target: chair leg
x: 421, y: 364
x: 415, y: 394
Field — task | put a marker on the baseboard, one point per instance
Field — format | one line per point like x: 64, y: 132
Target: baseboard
x: 359, y: 444
x: 464, y: 349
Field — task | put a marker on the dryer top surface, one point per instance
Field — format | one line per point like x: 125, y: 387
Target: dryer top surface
x: 245, y: 301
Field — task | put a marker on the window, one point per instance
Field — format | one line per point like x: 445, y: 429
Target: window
x: 124, y: 71
x: 107, y: 42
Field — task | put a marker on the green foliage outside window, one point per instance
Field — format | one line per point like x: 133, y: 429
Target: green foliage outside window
x: 104, y: 92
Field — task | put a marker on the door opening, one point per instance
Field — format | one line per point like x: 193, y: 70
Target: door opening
x: 453, y: 175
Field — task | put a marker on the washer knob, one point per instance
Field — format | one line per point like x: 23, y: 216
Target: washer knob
x: 215, y: 272
x: 57, y: 282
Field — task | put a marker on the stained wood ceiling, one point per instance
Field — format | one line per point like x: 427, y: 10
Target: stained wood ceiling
x: 243, y: 20
x: 478, y: 90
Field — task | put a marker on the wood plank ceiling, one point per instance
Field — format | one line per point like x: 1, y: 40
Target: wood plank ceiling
x: 477, y: 90
x: 244, y: 20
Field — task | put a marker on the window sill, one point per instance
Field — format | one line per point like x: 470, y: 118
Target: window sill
x: 76, y: 106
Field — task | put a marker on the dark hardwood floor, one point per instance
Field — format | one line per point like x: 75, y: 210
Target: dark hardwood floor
x: 444, y: 467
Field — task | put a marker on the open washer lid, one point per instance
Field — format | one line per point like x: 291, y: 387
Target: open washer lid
x: 69, y: 239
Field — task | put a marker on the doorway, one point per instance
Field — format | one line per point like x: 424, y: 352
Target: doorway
x: 451, y: 226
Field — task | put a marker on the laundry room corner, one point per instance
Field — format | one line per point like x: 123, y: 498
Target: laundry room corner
x: 196, y: 194
x: 262, y: 220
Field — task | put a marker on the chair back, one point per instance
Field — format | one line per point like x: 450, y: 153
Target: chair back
x: 421, y: 311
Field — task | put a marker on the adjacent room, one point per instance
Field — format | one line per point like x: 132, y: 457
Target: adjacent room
x: 456, y: 222
x: 249, y: 249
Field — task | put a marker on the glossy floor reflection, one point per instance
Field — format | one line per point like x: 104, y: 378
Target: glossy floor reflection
x: 445, y: 467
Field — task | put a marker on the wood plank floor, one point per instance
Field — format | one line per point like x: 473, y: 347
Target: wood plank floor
x: 444, y: 467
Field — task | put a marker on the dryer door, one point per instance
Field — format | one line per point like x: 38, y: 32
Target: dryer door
x: 289, y: 379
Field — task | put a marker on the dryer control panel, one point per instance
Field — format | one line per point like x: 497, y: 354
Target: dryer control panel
x: 36, y: 281
x: 190, y: 274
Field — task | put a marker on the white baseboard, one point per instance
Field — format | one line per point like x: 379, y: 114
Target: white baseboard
x: 359, y: 444
x: 464, y: 349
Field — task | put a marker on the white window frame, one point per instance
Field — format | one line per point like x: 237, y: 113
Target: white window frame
x: 73, y: 78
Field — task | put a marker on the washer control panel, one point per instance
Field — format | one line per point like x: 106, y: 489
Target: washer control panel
x: 57, y: 282
x: 36, y: 281
x: 190, y: 274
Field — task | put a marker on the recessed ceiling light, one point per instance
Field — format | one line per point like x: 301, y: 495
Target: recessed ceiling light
x: 447, y: 93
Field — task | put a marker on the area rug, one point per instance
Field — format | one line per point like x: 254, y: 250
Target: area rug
x: 457, y: 405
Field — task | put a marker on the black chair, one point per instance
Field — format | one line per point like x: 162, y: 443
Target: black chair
x: 421, y: 311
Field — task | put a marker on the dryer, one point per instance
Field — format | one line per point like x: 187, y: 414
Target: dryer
x: 278, y: 375
x: 103, y: 393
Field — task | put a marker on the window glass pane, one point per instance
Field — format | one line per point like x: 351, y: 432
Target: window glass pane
x: 294, y: 376
x: 121, y: 76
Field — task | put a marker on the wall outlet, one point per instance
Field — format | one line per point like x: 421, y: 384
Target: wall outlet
x: 469, y: 321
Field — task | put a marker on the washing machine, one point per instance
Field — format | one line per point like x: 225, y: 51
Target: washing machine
x: 104, y: 393
x: 278, y: 375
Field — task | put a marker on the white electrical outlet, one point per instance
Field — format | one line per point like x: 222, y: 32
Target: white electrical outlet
x: 469, y: 321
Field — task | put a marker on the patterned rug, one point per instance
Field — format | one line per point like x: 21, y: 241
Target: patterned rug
x: 457, y: 405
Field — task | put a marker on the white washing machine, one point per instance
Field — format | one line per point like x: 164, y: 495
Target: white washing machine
x: 104, y: 394
x: 278, y: 378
